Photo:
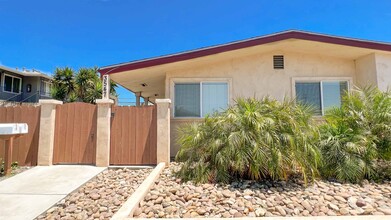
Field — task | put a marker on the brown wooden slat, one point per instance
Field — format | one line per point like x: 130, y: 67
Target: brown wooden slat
x: 18, y: 152
x: 34, y: 138
x: 153, y: 136
x: 133, y: 136
x: 95, y: 128
x: 75, y: 134
x: 140, y: 145
x: 146, y: 121
x: 125, y: 154
x: 25, y: 150
x: 112, y: 140
x: 2, y: 144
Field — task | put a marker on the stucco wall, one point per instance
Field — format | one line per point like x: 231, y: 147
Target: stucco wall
x: 374, y: 69
x: 383, y: 69
x: 366, y: 71
x: 254, y: 76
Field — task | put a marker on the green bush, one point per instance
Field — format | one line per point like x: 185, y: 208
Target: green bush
x: 357, y: 135
x: 253, y: 139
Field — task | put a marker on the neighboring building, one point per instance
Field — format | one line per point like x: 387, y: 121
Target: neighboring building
x: 23, y: 86
x: 314, y: 68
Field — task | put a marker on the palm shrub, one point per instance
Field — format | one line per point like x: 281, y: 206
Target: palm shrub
x: 356, y: 135
x: 253, y: 139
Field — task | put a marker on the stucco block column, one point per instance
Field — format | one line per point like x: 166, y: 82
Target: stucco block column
x: 46, y: 131
x: 103, y: 132
x: 163, y: 130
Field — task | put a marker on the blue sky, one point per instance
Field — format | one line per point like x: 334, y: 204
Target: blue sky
x: 45, y: 34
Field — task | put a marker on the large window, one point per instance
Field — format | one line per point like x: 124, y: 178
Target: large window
x: 12, y: 84
x: 322, y: 95
x: 199, y: 99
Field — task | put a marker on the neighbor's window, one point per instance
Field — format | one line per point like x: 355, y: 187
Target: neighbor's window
x: 200, y: 99
x: 45, y: 88
x: 12, y: 84
x: 322, y: 95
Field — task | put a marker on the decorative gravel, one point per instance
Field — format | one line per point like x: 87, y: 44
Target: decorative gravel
x: 172, y: 198
x: 100, y: 197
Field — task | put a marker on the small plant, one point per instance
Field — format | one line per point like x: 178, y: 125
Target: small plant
x: 253, y: 139
x: 14, y: 165
x: 357, y: 135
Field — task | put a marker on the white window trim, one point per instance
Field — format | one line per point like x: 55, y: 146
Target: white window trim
x: 46, y: 83
x: 320, y: 80
x: 173, y: 81
x: 12, y: 85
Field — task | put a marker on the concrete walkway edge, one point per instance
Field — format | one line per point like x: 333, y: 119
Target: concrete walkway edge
x: 32, y: 192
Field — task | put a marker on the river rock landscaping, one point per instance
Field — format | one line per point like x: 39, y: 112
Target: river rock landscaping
x: 99, y: 198
x: 171, y: 198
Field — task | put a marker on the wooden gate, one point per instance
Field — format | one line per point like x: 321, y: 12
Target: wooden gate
x: 25, y: 150
x: 133, y: 135
x: 75, y: 130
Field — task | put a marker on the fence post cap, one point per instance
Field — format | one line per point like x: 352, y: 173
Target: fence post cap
x: 104, y: 101
x: 157, y: 101
x: 50, y: 101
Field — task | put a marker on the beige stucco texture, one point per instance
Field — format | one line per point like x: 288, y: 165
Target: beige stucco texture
x: 254, y: 76
x: 46, y: 132
x: 249, y: 71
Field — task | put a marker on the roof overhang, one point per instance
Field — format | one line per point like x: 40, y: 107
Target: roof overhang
x: 24, y: 73
x: 152, y: 72
x: 300, y: 35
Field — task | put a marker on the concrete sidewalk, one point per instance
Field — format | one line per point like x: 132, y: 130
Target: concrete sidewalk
x: 30, y: 193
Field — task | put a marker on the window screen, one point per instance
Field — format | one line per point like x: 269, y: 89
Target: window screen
x: 309, y: 93
x: 332, y: 94
x: 214, y: 97
x: 322, y: 96
x: 200, y: 99
x: 187, y: 100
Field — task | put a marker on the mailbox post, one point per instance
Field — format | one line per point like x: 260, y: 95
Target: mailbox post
x: 8, y: 132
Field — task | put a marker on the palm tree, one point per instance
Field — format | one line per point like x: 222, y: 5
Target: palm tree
x: 84, y: 86
x: 64, y: 84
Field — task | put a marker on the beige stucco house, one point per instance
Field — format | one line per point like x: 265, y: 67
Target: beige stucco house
x: 314, y: 68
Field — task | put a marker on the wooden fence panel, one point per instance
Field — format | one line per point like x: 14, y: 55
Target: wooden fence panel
x: 133, y: 135
x: 25, y: 150
x: 75, y: 130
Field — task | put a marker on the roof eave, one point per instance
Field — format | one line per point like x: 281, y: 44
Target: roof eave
x: 301, y: 35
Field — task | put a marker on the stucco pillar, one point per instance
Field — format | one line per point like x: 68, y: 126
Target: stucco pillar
x: 138, y: 96
x: 103, y: 132
x: 163, y: 130
x: 46, y: 131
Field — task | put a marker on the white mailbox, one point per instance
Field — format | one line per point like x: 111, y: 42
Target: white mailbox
x: 13, y: 128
